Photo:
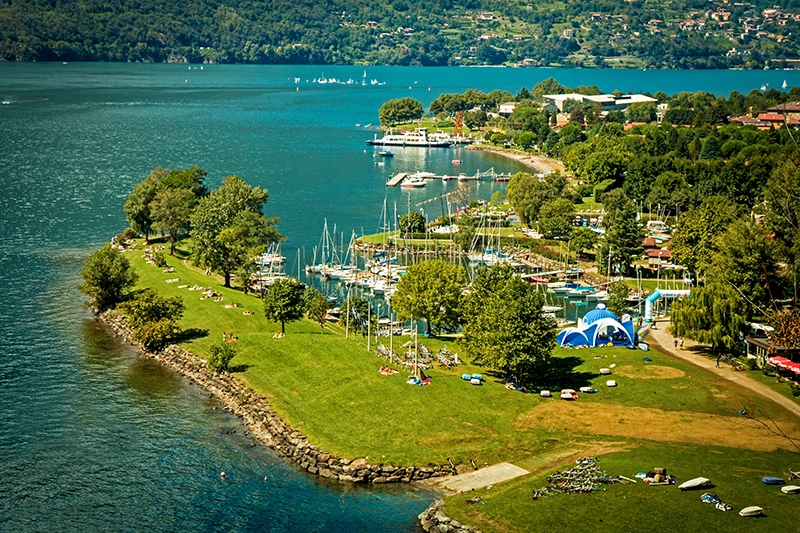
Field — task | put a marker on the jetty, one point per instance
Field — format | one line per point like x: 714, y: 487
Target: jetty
x: 396, y: 179
x: 478, y: 176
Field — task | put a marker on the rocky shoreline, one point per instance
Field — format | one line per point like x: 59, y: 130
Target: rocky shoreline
x: 433, y: 520
x: 266, y: 427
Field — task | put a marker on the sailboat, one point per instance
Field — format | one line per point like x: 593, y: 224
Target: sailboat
x: 785, y: 85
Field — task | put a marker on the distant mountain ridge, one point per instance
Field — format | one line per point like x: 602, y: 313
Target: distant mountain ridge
x: 599, y: 33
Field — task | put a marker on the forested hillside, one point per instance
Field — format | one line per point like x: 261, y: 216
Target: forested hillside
x: 601, y: 33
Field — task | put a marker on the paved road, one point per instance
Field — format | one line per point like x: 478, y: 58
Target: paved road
x: 665, y: 343
x: 478, y: 479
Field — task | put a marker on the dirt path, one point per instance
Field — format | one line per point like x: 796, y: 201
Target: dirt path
x: 665, y: 343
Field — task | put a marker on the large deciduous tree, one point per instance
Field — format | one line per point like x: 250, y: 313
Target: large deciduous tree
x: 747, y: 258
x: 284, y: 302
x: 555, y: 218
x: 694, y: 234
x: 170, y: 211
x: 430, y: 290
x: 246, y: 237
x: 223, y: 235
x: 782, y: 213
x: 527, y: 194
x: 505, y: 327
x: 412, y: 222
x: 106, y: 274
x: 715, y: 314
x: 400, y: 110
x: 137, y: 206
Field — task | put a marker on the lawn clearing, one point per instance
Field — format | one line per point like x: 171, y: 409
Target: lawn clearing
x: 736, y: 474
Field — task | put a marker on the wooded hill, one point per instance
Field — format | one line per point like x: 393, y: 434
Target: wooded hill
x: 665, y: 34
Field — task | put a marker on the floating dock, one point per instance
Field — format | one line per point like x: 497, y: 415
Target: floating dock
x: 396, y: 179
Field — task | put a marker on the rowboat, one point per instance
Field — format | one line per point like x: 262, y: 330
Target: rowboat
x: 773, y: 481
x: 790, y: 489
x: 695, y: 483
x: 753, y: 510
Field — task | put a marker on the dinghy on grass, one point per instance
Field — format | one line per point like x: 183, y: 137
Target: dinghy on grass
x: 753, y: 510
x: 695, y: 483
x: 790, y: 489
x: 773, y: 481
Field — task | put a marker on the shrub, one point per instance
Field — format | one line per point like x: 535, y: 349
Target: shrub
x: 220, y: 356
x: 154, y: 318
x: 129, y: 234
x: 601, y: 188
x: 106, y: 274
x: 752, y: 363
x: 160, y: 259
x: 795, y: 388
x: 155, y: 336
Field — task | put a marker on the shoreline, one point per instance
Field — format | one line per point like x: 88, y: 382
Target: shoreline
x: 542, y: 165
x: 264, y: 425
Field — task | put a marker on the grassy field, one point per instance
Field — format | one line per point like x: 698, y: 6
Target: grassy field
x: 664, y: 412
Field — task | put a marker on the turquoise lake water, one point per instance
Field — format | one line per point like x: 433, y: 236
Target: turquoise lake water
x: 93, y: 438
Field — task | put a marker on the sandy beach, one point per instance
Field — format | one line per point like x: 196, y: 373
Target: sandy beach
x: 540, y: 164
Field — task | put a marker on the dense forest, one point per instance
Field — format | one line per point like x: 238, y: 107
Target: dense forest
x: 599, y: 33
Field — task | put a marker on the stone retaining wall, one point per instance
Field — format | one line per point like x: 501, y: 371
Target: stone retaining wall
x: 433, y: 520
x: 266, y: 426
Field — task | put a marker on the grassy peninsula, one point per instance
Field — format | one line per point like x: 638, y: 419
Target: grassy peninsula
x: 663, y: 413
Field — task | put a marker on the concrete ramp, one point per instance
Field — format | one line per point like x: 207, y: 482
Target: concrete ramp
x: 479, y: 478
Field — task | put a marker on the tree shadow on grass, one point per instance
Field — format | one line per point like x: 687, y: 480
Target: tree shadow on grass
x: 191, y: 334
x: 562, y: 375
x: 238, y: 368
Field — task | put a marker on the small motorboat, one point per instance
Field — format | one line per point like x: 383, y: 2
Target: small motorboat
x: 753, y: 510
x: 695, y: 483
x: 385, y: 153
x: 456, y: 161
x: 773, y: 481
x: 790, y: 489
x: 588, y: 390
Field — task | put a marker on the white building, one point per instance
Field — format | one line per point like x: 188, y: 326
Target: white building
x: 555, y: 102
x: 507, y: 109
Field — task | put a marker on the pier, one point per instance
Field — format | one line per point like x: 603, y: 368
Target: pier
x: 478, y: 176
x: 396, y: 179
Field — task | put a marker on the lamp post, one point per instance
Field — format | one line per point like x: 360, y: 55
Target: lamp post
x: 369, y: 323
x: 377, y: 328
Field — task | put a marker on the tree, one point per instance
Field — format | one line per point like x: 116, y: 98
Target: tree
x: 400, y: 110
x: 497, y: 197
x: 154, y: 318
x: 223, y: 251
x: 466, y: 231
x: 623, y: 237
x: 712, y: 148
x: 746, y: 257
x: 782, y: 212
x: 106, y: 275
x: 137, y: 206
x: 359, y: 318
x: 430, y: 290
x: 617, y: 296
x: 670, y: 191
x: 642, y: 112
x: 695, y: 233
x: 583, y: 240
x: 220, y: 356
x: 246, y: 238
x: 715, y: 315
x: 412, y: 222
x: 528, y: 194
x: 316, y: 305
x: 505, y: 327
x: 284, y: 302
x: 555, y: 218
x: 191, y: 179
x: 170, y: 211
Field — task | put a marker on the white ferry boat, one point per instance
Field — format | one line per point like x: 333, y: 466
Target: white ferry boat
x: 418, y: 137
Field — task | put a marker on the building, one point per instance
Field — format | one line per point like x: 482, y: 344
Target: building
x: 507, y: 109
x: 555, y: 102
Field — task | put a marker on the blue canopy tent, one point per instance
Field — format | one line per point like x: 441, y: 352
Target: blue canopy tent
x: 599, y: 328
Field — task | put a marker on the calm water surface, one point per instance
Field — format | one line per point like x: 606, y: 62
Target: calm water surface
x: 93, y: 438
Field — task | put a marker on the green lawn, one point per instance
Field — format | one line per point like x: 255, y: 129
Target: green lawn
x: 736, y: 475
x: 665, y: 412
